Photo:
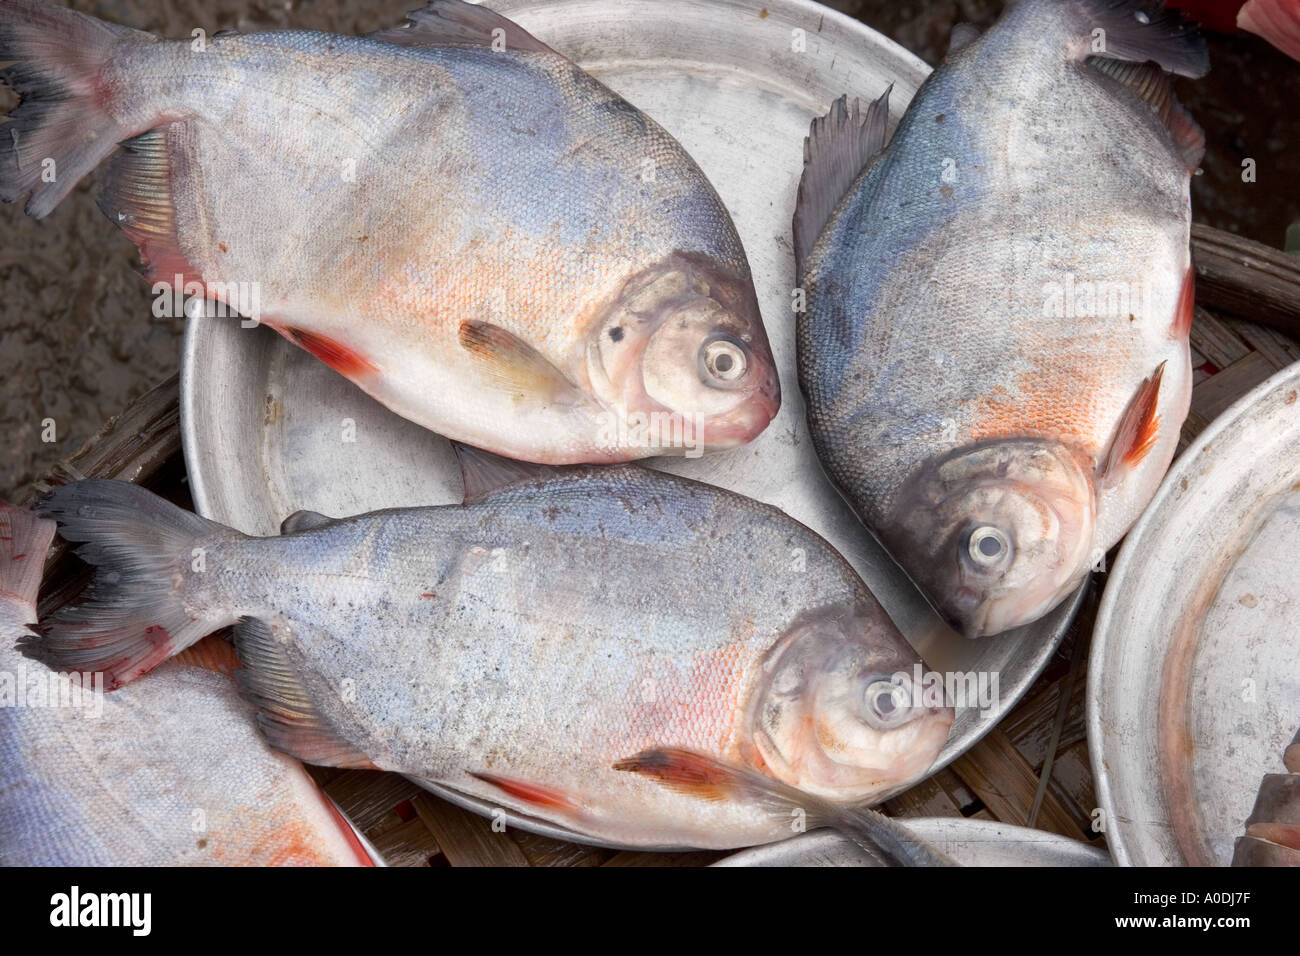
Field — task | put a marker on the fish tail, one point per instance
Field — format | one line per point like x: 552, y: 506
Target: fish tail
x: 1133, y: 31
x: 61, y: 129
x: 137, y: 610
x: 24, y: 539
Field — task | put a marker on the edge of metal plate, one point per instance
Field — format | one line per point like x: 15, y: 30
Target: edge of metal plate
x: 1123, y: 739
x: 969, y: 842
x: 227, y: 455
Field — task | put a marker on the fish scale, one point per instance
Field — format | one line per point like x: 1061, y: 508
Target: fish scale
x: 518, y: 647
x: 166, y: 773
x: 369, y: 197
x: 942, y: 332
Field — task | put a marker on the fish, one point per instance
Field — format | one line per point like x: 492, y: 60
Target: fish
x: 996, y: 304
x: 880, y: 839
x: 515, y: 647
x: 168, y: 772
x: 454, y: 217
x: 1272, y: 831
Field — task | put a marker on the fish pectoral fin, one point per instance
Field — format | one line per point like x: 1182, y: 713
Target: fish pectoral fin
x: 709, y: 778
x: 304, y: 520
x: 455, y: 23
x: 694, y: 774
x: 1137, y: 431
x: 484, y: 473
x: 287, y: 717
x: 1157, y: 87
x: 839, y: 146
x: 514, y: 365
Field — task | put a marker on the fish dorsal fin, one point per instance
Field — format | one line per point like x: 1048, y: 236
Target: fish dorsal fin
x: 485, y: 474
x: 1157, y: 87
x: 1132, y: 31
x: 286, y: 715
x: 962, y: 36
x: 838, y: 147
x: 303, y: 520
x: 1137, y: 431
x: 456, y: 23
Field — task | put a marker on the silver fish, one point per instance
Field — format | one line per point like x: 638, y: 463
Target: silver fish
x: 994, y: 349
x: 519, y: 646
x: 451, y: 214
x: 169, y: 772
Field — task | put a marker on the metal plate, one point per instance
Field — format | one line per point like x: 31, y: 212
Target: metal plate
x: 263, y: 421
x: 969, y: 842
x: 1201, y: 617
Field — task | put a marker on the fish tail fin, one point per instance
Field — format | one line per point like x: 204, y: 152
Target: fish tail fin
x: 1136, y: 31
x: 60, y: 131
x: 136, y: 612
x: 1139, y: 48
x: 24, y: 539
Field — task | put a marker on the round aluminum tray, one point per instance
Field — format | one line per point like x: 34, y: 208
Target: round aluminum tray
x: 262, y: 421
x: 969, y: 842
x: 1194, y: 678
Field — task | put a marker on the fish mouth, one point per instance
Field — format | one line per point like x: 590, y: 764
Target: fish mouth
x: 747, y: 420
x: 932, y: 734
x: 898, y: 759
x: 967, y: 613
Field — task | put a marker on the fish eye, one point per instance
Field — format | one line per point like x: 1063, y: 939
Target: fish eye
x: 887, y: 702
x: 988, y: 546
x: 724, y: 359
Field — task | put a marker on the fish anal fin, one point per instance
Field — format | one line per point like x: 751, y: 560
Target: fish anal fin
x: 839, y: 146
x: 455, y: 23
x: 136, y: 194
x: 286, y: 715
x: 1137, y: 432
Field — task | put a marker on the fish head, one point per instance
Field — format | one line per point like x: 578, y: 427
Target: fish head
x: 841, y: 712
x: 996, y: 533
x: 684, y: 345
